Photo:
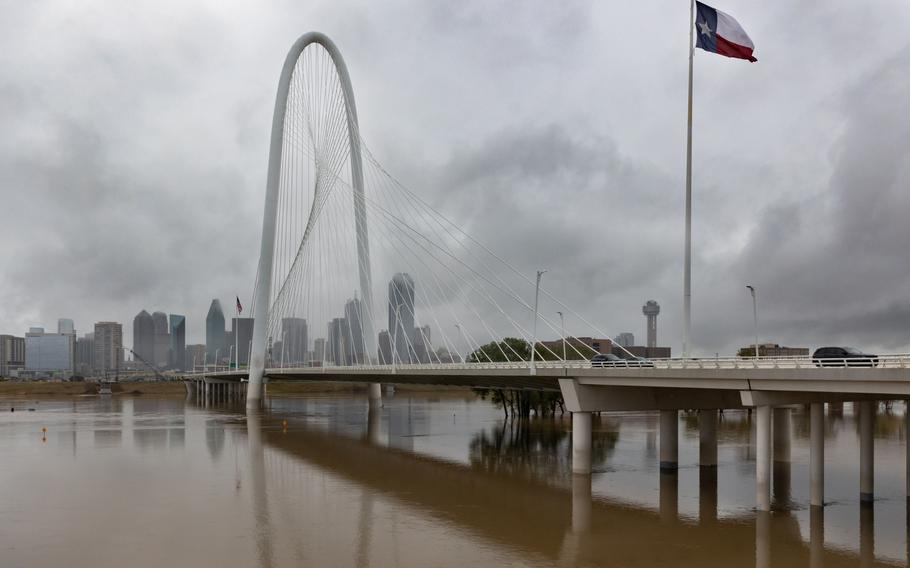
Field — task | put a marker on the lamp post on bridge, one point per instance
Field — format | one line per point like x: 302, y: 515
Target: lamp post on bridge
x: 562, y: 326
x: 216, y: 359
x: 534, y: 336
x: 754, y: 316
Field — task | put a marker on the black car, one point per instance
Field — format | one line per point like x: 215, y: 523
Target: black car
x: 843, y: 357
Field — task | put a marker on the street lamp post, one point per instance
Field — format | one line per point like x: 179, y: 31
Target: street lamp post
x: 562, y: 326
x: 754, y: 316
x: 216, y: 359
x: 534, y: 336
x: 283, y: 341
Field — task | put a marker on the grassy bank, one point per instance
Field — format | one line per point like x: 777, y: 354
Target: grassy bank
x: 49, y: 388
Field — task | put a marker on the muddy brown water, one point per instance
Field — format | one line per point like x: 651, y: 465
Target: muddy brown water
x: 430, y: 480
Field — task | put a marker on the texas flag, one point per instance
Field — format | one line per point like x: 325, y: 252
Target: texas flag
x: 720, y: 33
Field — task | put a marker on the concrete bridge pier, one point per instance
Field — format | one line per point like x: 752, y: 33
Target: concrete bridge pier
x: 707, y: 438
x: 817, y: 455
x: 782, y: 434
x: 581, y: 443
x: 866, y: 451
x: 375, y: 394
x: 763, y: 457
x: 669, y: 441
x: 781, y: 451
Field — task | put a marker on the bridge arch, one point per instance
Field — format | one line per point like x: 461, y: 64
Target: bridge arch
x: 277, y: 155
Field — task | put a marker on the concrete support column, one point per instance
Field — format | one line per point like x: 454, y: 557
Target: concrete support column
x: 763, y: 458
x: 782, y: 435
x: 817, y: 454
x: 669, y: 440
x: 866, y: 451
x: 581, y: 442
x: 375, y: 394
x: 707, y: 438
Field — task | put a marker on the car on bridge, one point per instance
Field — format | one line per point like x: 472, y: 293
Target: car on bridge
x: 843, y: 357
x: 611, y: 360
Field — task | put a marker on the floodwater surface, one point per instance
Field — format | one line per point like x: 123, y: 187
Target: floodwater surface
x: 431, y: 479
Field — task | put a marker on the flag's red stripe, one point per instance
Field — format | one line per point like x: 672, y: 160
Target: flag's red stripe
x: 731, y: 49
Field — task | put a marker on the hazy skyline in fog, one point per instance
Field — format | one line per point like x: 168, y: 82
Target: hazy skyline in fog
x: 135, y: 140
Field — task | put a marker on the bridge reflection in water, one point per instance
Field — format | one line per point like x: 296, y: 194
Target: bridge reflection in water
x: 513, y: 494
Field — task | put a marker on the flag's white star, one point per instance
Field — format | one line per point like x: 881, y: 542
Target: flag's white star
x: 705, y: 29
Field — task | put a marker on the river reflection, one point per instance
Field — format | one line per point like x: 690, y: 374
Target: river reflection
x: 439, y: 481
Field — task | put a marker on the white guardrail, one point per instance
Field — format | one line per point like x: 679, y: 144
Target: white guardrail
x: 892, y: 361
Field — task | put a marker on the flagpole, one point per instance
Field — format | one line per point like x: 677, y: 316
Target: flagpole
x: 687, y: 270
x: 237, y: 334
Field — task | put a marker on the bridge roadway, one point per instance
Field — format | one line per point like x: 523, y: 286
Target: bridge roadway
x: 770, y: 385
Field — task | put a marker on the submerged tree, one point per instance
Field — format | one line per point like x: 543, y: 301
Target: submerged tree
x: 518, y: 403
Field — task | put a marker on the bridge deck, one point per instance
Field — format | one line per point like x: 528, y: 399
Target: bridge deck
x: 891, y: 378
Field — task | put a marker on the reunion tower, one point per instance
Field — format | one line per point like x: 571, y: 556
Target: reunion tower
x: 651, y: 309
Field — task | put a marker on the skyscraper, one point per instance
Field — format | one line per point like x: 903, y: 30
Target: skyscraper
x: 385, y: 348
x: 319, y: 350
x: 65, y: 325
x: 144, y: 337
x: 624, y: 339
x: 162, y: 340
x: 214, y: 332
x: 294, y: 341
x: 178, y: 342
x: 353, y: 314
x: 108, y: 348
x: 12, y: 355
x: 401, y: 316
x: 335, y: 347
x: 49, y: 354
x: 241, y: 336
x: 423, y: 347
x: 85, y: 355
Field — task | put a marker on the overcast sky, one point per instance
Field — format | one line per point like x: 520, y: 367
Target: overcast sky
x: 134, y: 143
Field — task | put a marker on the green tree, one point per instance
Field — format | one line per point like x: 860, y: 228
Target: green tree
x: 518, y: 403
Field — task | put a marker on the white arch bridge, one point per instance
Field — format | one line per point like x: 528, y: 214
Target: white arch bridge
x: 457, y: 313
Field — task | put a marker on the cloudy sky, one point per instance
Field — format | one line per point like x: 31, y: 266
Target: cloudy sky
x: 134, y: 144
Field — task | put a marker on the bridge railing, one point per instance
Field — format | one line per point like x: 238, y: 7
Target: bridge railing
x: 890, y: 361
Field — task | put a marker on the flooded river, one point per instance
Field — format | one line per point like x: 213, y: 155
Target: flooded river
x: 434, y: 479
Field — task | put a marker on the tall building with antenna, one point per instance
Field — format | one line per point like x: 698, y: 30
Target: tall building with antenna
x: 650, y: 310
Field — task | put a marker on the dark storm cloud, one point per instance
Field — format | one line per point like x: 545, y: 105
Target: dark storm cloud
x: 834, y: 263
x: 135, y: 139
